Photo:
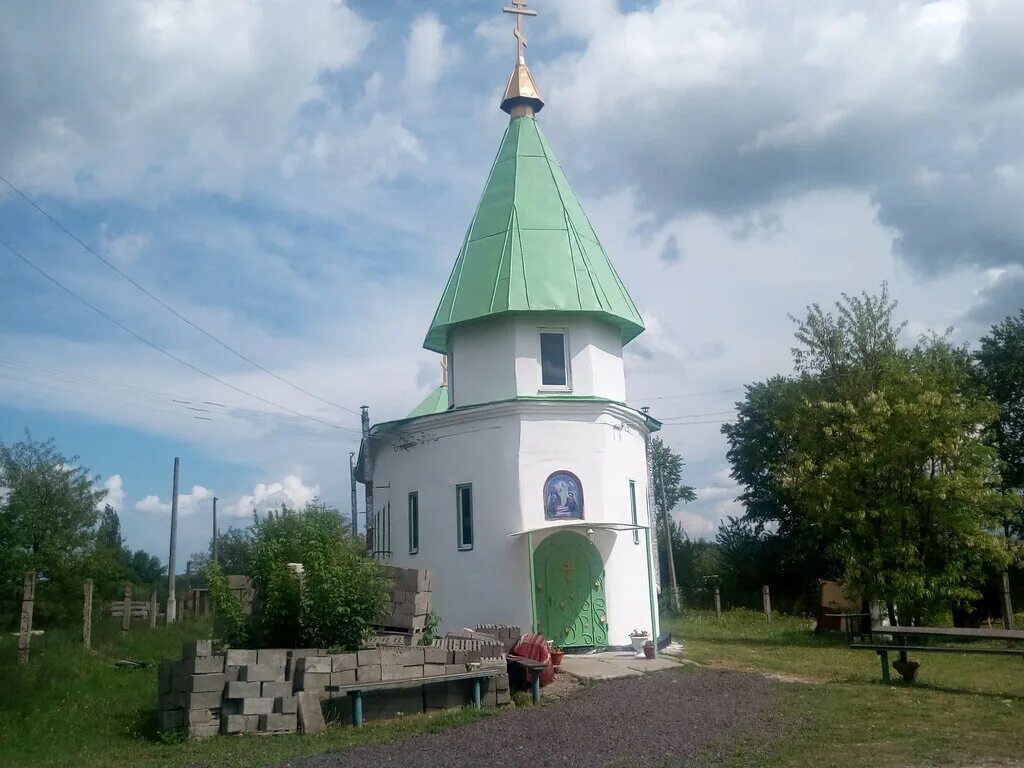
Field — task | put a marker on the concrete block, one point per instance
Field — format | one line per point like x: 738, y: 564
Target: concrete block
x: 175, y: 700
x: 341, y: 662
x: 454, y: 669
x: 458, y: 657
x: 314, y: 664
x: 203, y: 665
x: 196, y: 648
x: 199, y: 732
x: 286, y: 705
x: 401, y: 673
x: 239, y: 690
x: 258, y: 673
x: 258, y: 706
x: 369, y: 657
x: 402, y: 657
x: 170, y: 720
x: 164, y: 675
x: 202, y: 717
x: 272, y: 657
x: 347, y: 677
x: 369, y: 674
x: 435, y: 656
x: 240, y: 658
x: 434, y: 670
x: 309, y: 680
x: 231, y: 674
x: 203, y: 700
x: 310, y: 715
x: 239, y: 724
x: 278, y: 723
x: 273, y: 690
x: 231, y: 706
x: 504, y: 697
x: 204, y: 683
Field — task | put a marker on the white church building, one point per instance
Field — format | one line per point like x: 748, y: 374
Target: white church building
x: 522, y: 482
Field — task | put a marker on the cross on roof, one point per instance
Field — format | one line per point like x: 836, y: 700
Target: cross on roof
x: 519, y: 9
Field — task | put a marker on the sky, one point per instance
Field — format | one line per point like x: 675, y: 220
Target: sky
x: 295, y: 179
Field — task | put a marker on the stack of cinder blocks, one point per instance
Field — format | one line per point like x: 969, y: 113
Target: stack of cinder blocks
x: 409, y: 602
x: 477, y: 649
x: 190, y: 691
x: 507, y: 634
x: 261, y: 697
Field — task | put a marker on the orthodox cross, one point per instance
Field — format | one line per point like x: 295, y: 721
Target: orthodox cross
x: 519, y: 9
x: 568, y: 568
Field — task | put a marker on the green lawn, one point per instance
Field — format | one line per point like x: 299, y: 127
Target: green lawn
x: 73, y: 708
x: 964, y: 709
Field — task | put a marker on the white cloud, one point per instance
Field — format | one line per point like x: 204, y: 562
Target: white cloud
x: 291, y: 491
x: 123, y: 249
x: 188, y: 503
x: 427, y: 56
x: 114, y: 487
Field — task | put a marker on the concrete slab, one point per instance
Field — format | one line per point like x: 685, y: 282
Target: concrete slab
x: 609, y: 665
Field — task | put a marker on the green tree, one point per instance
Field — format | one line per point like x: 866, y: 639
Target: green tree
x: 885, y: 458
x: 48, y: 514
x: 234, y: 552
x: 669, y: 489
x: 999, y: 362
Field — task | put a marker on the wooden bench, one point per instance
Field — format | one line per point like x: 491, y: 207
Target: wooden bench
x: 902, y: 638
x: 356, y: 690
x: 532, y: 666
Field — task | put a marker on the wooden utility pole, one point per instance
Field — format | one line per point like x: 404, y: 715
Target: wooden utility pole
x: 368, y: 481
x: 126, y: 619
x: 28, y: 603
x: 352, y: 483
x: 172, y: 604
x: 673, y: 585
x: 152, y: 608
x: 1005, y: 602
x: 87, y: 614
x: 766, y: 596
x: 214, y: 553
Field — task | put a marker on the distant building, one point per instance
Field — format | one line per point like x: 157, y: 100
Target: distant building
x: 522, y: 481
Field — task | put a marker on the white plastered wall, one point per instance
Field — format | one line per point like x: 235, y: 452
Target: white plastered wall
x: 507, y: 452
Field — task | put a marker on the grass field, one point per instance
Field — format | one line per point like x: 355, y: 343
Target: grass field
x: 75, y: 709
x: 965, y: 710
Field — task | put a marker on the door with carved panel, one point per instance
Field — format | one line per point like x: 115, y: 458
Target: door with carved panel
x: 571, y: 607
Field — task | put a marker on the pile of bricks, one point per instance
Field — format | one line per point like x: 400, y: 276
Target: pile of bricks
x: 408, y: 605
x: 507, y: 634
x: 190, y: 692
x: 280, y: 691
x: 139, y: 609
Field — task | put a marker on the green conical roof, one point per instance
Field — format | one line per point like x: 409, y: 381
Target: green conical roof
x: 530, y: 248
x: 435, y: 402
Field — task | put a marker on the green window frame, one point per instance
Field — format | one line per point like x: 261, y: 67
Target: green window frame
x: 464, y: 516
x: 632, y: 510
x: 414, y: 523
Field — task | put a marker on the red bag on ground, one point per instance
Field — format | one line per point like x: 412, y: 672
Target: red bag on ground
x: 534, y: 646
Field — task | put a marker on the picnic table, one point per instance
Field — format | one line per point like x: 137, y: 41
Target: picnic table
x: 356, y: 690
x: 902, y: 637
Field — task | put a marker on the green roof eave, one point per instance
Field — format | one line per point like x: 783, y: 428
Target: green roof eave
x: 531, y: 248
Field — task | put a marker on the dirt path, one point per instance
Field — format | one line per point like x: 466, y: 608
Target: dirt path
x: 646, y: 721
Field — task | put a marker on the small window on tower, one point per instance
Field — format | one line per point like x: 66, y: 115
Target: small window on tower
x: 554, y: 368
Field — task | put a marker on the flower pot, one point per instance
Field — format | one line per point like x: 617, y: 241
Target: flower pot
x: 649, y: 651
x: 906, y: 668
x: 638, y: 643
x: 556, y: 658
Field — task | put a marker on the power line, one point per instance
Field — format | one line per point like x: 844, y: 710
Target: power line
x: 698, y: 415
x: 165, y: 352
x: 167, y: 306
x: 696, y: 423
x: 686, y: 396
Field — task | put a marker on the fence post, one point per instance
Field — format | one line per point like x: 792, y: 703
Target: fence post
x: 767, y: 603
x: 28, y: 601
x: 1006, y: 604
x: 718, y: 602
x: 87, y: 614
x: 126, y: 619
x: 152, y: 609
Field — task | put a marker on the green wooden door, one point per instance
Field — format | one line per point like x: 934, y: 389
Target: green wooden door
x: 571, y: 607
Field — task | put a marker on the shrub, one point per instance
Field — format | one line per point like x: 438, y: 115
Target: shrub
x: 231, y: 622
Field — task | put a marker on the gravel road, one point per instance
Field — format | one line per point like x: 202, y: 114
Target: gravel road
x: 659, y: 719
